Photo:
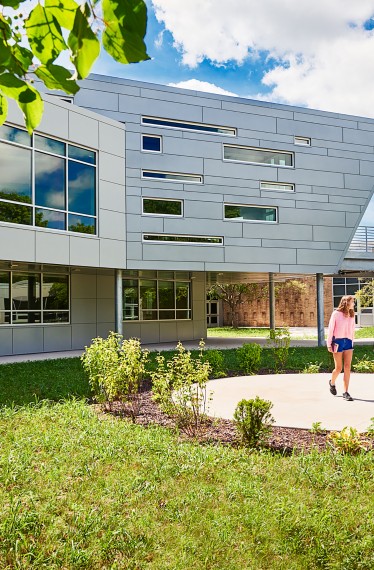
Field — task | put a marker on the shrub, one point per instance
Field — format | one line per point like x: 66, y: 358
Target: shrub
x: 217, y: 363
x: 364, y: 364
x: 312, y: 367
x: 347, y: 441
x: 370, y: 430
x: 249, y: 357
x: 317, y: 428
x: 115, y: 368
x: 179, y: 387
x: 253, y: 420
x: 279, y: 343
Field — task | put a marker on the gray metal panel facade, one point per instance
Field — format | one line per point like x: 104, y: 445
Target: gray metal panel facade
x: 334, y: 179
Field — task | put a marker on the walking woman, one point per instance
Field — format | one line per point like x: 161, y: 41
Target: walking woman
x: 340, y: 342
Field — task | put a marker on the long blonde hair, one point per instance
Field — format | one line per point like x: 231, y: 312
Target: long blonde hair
x: 344, y: 306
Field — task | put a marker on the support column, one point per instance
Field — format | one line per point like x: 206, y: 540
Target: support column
x: 271, y: 301
x: 118, y: 302
x: 320, y: 310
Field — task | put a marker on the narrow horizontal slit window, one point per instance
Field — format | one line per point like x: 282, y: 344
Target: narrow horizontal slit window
x: 257, y: 155
x: 183, y: 239
x: 162, y: 207
x: 151, y: 143
x: 303, y: 141
x: 250, y: 213
x: 173, y: 176
x: 202, y: 127
x: 277, y: 186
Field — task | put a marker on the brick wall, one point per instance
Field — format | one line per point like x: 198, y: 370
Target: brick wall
x: 292, y: 308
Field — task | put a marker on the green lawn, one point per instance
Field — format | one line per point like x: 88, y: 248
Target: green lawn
x: 229, y: 332
x: 79, y: 490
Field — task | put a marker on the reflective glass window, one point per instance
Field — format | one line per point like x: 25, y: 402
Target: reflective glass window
x: 49, y: 145
x: 162, y: 207
x: 15, y: 213
x: 176, y: 176
x: 26, y: 288
x: 4, y: 291
x: 257, y: 155
x: 81, y: 224
x: 82, y: 154
x: 151, y: 143
x: 166, y: 295
x: 251, y: 213
x: 130, y: 300
x: 49, y: 181
x: 183, y: 239
x: 15, y: 168
x: 13, y: 134
x: 50, y: 219
x: 182, y: 295
x: 82, y: 188
x: 55, y: 317
x: 156, y: 121
x: 55, y: 292
x: 26, y: 318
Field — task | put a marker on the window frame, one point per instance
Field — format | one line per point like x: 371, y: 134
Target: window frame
x: 233, y: 133
x: 260, y: 207
x: 269, y: 189
x: 33, y: 206
x: 173, y: 242
x: 42, y: 310
x: 178, y: 180
x: 181, y: 215
x: 152, y: 137
x: 302, y: 141
x: 286, y: 152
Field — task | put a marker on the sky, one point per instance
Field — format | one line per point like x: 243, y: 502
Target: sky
x: 316, y: 54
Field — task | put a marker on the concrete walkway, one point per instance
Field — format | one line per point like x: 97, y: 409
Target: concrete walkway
x: 298, y: 400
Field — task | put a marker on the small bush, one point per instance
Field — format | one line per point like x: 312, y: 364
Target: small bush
x: 179, y: 387
x: 312, y: 368
x: 370, y: 430
x: 253, y: 421
x: 249, y: 357
x: 364, y: 364
x: 115, y: 368
x: 279, y: 343
x: 317, y: 428
x: 347, y: 441
x: 217, y: 363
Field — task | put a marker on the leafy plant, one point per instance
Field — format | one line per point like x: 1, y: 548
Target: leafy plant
x: 312, y: 368
x: 364, y: 364
x: 279, y: 344
x: 179, y: 387
x: 115, y: 368
x: 253, y: 420
x: 217, y: 363
x: 317, y: 428
x: 370, y: 430
x: 34, y: 40
x: 347, y: 441
x: 249, y: 357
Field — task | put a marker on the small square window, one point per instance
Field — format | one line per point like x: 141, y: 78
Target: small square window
x: 303, y: 141
x: 151, y: 143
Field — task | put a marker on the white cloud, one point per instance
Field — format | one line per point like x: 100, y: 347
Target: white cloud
x: 324, y: 55
x: 197, y: 85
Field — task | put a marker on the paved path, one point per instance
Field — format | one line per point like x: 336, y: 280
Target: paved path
x: 299, y: 399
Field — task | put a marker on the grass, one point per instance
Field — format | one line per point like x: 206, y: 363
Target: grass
x: 229, y: 332
x: 78, y: 490
x: 22, y: 383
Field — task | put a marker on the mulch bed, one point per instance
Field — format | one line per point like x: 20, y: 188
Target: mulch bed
x: 219, y: 431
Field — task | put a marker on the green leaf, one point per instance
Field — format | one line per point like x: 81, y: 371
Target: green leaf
x: 64, y: 11
x: 3, y: 108
x: 125, y: 27
x: 5, y: 29
x: 12, y: 3
x: 44, y: 34
x: 57, y: 77
x: 84, y: 44
x: 28, y: 99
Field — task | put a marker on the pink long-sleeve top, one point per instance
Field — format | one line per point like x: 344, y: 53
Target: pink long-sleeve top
x: 340, y: 326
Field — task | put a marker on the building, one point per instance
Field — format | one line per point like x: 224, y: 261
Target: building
x: 131, y: 197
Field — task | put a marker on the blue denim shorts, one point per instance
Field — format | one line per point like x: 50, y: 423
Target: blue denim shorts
x: 343, y: 344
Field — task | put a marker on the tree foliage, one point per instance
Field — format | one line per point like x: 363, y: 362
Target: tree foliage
x: 234, y: 295
x: 365, y: 295
x: 32, y: 43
